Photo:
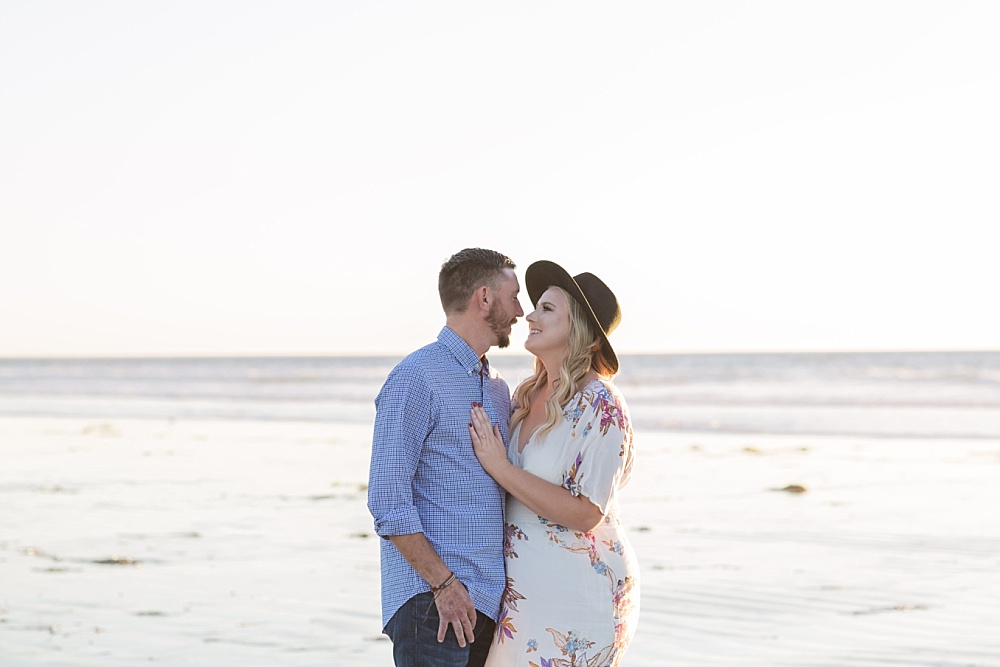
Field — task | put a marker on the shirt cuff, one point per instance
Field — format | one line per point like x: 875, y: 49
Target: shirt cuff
x: 402, y: 521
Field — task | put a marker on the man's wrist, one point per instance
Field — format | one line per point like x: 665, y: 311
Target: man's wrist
x: 436, y: 590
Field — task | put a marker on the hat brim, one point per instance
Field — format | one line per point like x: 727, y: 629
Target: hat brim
x: 544, y: 274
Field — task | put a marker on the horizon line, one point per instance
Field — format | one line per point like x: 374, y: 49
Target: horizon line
x: 493, y: 353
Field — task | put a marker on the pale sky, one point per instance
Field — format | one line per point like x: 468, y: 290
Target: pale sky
x: 193, y: 178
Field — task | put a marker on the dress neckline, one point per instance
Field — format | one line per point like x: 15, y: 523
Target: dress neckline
x: 516, y: 436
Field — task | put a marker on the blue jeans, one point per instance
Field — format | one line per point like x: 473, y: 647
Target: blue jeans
x: 413, y: 630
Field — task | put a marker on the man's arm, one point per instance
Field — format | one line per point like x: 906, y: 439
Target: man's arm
x: 455, y: 606
x: 396, y: 444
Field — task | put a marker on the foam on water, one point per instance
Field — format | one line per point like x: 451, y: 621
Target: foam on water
x: 935, y: 394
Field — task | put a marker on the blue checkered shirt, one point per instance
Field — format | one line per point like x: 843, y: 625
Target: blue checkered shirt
x: 425, y: 478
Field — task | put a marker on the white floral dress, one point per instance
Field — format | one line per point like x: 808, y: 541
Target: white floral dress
x: 572, y: 597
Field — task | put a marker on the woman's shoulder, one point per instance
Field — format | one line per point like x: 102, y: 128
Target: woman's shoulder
x: 598, y: 410
x: 600, y: 396
x: 602, y: 390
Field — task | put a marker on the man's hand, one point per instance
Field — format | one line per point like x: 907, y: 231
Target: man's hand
x: 455, y: 609
x: 454, y: 604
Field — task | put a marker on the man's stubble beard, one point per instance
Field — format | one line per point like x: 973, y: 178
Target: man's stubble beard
x: 499, y: 324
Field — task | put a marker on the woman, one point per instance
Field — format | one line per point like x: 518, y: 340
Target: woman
x: 572, y: 595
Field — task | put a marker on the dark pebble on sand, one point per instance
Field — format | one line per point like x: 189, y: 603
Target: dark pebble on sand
x: 115, y: 560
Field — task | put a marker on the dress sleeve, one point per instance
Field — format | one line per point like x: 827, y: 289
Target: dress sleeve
x: 600, y: 461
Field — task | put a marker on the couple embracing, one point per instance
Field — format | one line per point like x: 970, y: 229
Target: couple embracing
x: 502, y: 542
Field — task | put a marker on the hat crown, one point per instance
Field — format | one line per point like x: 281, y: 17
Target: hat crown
x: 601, y: 300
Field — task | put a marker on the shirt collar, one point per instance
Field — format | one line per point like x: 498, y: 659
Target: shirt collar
x: 463, y: 353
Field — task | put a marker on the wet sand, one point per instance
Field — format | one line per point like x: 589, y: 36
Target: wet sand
x: 213, y: 544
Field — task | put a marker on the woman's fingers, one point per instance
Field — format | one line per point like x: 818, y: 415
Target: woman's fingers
x: 478, y: 430
x: 480, y: 421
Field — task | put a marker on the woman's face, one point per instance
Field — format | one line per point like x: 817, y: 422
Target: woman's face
x: 548, y: 325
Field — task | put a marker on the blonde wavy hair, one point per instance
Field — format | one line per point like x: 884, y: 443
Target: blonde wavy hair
x: 583, y: 355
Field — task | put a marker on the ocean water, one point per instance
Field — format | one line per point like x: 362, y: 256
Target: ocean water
x: 211, y: 512
x: 885, y: 394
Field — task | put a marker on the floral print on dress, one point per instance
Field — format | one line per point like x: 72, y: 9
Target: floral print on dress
x: 598, y: 398
x: 508, y: 603
x: 584, y: 543
x: 552, y: 614
x: 505, y: 626
x: 577, y: 652
x: 511, y: 533
x: 624, y: 606
x: 574, y: 478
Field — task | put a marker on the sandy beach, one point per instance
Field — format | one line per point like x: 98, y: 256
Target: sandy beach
x: 216, y: 543
x: 224, y: 224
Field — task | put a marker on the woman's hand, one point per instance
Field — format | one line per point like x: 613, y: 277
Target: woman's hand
x: 487, y: 442
x: 540, y: 496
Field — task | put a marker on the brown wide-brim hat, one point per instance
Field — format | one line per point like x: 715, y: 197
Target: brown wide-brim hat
x: 596, y: 298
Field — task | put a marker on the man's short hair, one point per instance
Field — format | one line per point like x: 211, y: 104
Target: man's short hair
x: 466, y: 271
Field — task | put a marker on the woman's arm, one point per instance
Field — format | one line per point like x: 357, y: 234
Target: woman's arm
x: 542, y: 497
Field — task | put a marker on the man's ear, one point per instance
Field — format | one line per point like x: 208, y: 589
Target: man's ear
x: 483, y: 297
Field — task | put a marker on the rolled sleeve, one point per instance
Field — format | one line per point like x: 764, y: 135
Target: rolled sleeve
x: 402, y: 422
x: 399, y: 521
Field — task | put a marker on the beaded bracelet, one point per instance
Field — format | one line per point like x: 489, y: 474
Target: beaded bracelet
x: 437, y: 589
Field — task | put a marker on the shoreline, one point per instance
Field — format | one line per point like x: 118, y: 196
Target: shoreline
x: 250, y: 543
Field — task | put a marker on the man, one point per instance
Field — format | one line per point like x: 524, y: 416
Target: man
x: 440, y: 514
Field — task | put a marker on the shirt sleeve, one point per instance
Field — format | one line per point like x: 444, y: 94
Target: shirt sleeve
x: 603, y: 455
x: 403, y: 418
